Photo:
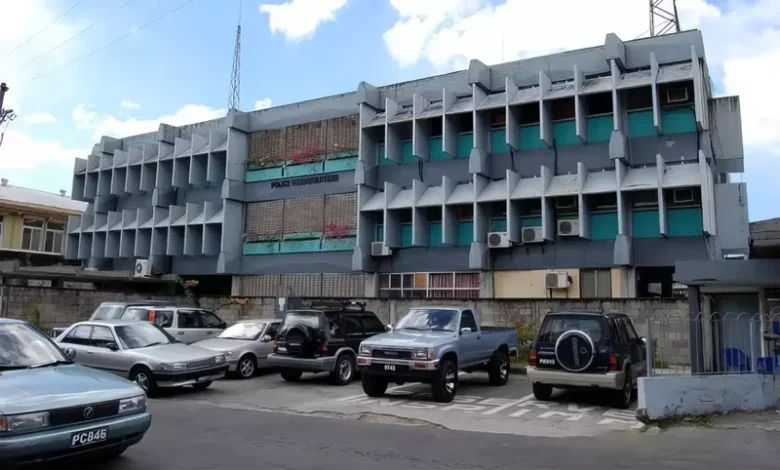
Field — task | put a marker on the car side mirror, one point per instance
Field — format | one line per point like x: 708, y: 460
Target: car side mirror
x: 70, y: 352
x: 389, y: 327
x: 223, y: 325
x: 112, y: 346
x: 465, y: 330
x: 643, y: 340
x: 267, y: 339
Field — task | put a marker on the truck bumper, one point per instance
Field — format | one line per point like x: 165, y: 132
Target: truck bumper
x: 320, y: 364
x: 398, y: 369
x: 561, y: 379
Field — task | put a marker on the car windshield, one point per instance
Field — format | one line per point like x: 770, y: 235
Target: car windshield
x: 310, y: 319
x: 555, y: 326
x: 243, y: 330
x: 429, y: 319
x: 142, y: 335
x: 108, y: 312
x: 22, y: 346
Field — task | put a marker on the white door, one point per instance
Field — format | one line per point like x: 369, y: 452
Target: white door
x: 186, y: 326
x: 211, y: 325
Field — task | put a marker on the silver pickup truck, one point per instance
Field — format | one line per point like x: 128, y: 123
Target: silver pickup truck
x: 430, y: 345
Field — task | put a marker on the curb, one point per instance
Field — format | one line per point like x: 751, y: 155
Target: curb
x: 519, y: 370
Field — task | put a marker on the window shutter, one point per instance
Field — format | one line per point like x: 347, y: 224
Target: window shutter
x: 587, y: 284
x: 603, y: 284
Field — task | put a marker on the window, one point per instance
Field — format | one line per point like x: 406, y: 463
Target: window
x: 554, y: 326
x: 79, y: 335
x: 54, y: 236
x: 351, y: 325
x: 188, y: 319
x: 429, y: 286
x: 32, y: 231
x: 632, y: 336
x: 467, y: 320
x: 101, y: 336
x: 595, y: 284
x: 620, y: 331
x: 334, y: 327
x: 137, y: 314
x: 272, y: 330
x: 2, y: 226
x: 163, y: 319
x: 371, y: 324
x: 209, y: 320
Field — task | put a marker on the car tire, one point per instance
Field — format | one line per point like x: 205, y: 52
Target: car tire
x: 345, y: 370
x: 542, y: 392
x: 246, y: 367
x: 202, y: 385
x: 291, y: 375
x: 142, y: 376
x: 498, y: 369
x: 374, y: 386
x: 445, y: 382
x: 622, y: 398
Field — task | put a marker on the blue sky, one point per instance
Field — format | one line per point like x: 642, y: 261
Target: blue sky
x: 178, y: 69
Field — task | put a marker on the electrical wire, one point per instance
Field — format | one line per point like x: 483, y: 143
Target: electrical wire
x: 75, y: 35
x: 44, y: 28
x: 106, y: 46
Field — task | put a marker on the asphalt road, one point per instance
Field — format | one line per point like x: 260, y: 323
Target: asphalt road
x: 195, y: 436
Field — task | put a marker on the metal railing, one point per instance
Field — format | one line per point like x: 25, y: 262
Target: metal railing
x: 713, y: 343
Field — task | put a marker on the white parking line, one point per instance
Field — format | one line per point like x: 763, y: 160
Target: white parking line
x: 508, y: 405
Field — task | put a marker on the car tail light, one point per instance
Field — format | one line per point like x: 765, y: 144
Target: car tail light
x: 152, y: 315
x: 324, y: 348
x: 613, y: 362
x: 532, y: 358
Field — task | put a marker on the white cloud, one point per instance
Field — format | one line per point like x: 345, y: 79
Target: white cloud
x: 127, y: 104
x: 298, y: 19
x: 263, y: 103
x: 85, y: 118
x: 20, y: 151
x: 41, y: 118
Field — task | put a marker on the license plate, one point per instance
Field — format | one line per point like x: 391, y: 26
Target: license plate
x: 389, y: 367
x: 547, y: 362
x: 85, y: 438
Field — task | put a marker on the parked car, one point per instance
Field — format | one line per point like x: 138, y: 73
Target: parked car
x: 186, y: 324
x: 142, y: 352
x: 430, y: 345
x: 51, y: 408
x: 587, y: 350
x: 246, y: 345
x: 114, y: 311
x: 324, y: 338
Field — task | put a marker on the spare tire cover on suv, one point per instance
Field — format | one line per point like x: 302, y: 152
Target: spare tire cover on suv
x: 575, y: 351
x: 298, y: 340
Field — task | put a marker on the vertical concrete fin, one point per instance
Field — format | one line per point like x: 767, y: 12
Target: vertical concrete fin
x: 548, y: 205
x: 707, y: 195
x: 481, y: 215
x: 618, y: 141
x: 368, y: 94
x: 657, y: 123
x: 660, y: 166
x: 622, y: 212
x: 514, y: 221
x: 449, y: 139
x: 420, y: 223
x: 615, y: 50
x: 479, y: 158
x: 545, y: 114
x: 580, y: 106
x: 421, y: 128
x: 449, y: 222
x: 368, y: 156
x: 582, y: 201
x: 392, y: 224
x: 512, y: 115
x: 479, y: 74
x: 392, y: 136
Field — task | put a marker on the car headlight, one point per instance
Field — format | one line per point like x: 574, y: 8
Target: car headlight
x: 174, y: 366
x: 425, y: 354
x: 228, y: 354
x: 25, y: 421
x: 365, y: 350
x: 219, y: 359
x: 132, y: 405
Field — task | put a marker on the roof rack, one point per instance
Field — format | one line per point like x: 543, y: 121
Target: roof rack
x: 337, y: 305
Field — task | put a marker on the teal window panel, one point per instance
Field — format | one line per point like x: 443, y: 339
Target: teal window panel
x: 434, y: 234
x: 262, y: 248
x: 678, y: 121
x: 338, y: 244
x: 498, y: 225
x: 640, y: 124
x: 380, y: 151
x: 565, y: 133
x: 600, y: 128
x: 379, y: 236
x: 465, y: 232
x: 437, y: 151
x: 603, y: 226
x: 263, y: 174
x: 299, y: 246
x: 532, y: 222
x: 646, y: 224
x: 407, y: 156
x: 341, y: 164
x: 302, y: 236
x: 498, y: 141
x: 406, y: 235
x: 684, y: 222
x: 465, y: 144
x: 529, y: 138
x: 303, y: 169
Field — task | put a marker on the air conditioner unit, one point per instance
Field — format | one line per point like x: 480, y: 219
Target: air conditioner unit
x: 556, y: 280
x: 498, y: 240
x: 380, y: 249
x: 143, y: 268
x: 569, y: 228
x: 532, y: 235
x: 677, y: 95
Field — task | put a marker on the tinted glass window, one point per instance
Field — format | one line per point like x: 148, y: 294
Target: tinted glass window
x: 142, y: 335
x: 139, y: 314
x: 79, y: 335
x: 371, y: 324
x: 351, y: 325
x: 209, y: 320
x: 23, y: 346
x: 425, y: 319
x: 555, y: 326
x: 467, y: 320
x: 272, y: 330
x: 163, y: 318
x: 310, y: 319
x: 333, y: 325
x: 188, y: 319
x: 632, y: 336
x: 101, y: 336
x: 243, y: 330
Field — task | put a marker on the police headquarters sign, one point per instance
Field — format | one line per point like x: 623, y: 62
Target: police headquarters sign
x: 305, y: 181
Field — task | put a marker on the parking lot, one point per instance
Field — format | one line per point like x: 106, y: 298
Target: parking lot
x: 478, y: 406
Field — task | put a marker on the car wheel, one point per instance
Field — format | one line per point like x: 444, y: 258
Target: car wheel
x: 291, y: 375
x: 247, y: 366
x: 143, y: 377
x: 622, y: 397
x: 445, y: 382
x: 374, y: 386
x: 345, y: 369
x: 498, y: 369
x: 542, y: 392
x: 202, y: 385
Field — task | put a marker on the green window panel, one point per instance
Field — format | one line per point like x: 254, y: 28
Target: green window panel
x: 532, y: 222
x: 646, y: 224
x: 379, y: 235
x: 406, y: 235
x: 261, y: 248
x: 465, y: 232
x: 640, y: 124
x: 302, y: 236
x: 303, y: 169
x: 437, y: 151
x: 498, y: 225
x: 465, y: 144
x: 600, y: 128
x: 603, y: 226
x: 264, y: 174
x: 684, y: 222
x: 678, y: 121
x: 338, y: 244
x: 341, y: 164
x: 380, y: 150
x: 299, y: 246
x: 529, y: 138
x: 407, y: 156
x: 434, y: 234
x: 565, y: 133
x: 498, y: 141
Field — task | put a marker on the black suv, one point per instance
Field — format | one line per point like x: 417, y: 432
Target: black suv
x: 576, y: 350
x: 323, y: 338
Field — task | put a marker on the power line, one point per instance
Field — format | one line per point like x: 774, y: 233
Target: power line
x: 44, y: 28
x: 106, y: 46
x: 75, y: 35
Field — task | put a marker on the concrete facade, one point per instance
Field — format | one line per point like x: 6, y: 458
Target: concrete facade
x: 597, y: 159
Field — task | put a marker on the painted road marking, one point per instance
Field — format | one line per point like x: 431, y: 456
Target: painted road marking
x: 501, y: 408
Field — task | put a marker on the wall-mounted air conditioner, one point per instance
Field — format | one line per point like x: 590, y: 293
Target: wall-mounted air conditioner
x: 143, y: 268
x: 677, y: 95
x: 569, y: 228
x: 532, y: 235
x: 380, y: 249
x: 556, y: 280
x: 496, y: 240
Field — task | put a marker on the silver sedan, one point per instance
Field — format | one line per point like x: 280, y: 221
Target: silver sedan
x: 246, y: 345
x: 142, y: 352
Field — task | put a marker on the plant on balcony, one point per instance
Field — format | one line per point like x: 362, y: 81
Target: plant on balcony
x: 333, y: 230
x: 265, y: 237
x: 307, y: 155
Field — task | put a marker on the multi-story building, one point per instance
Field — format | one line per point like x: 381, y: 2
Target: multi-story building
x: 581, y: 174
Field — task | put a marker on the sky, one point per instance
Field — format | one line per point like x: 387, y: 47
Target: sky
x: 80, y: 69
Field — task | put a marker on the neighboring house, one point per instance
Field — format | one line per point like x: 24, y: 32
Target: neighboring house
x: 33, y: 222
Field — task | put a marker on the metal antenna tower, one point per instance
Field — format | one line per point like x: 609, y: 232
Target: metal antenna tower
x: 234, y: 99
x: 663, y: 17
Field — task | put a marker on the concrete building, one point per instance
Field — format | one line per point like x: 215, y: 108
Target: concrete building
x: 582, y: 174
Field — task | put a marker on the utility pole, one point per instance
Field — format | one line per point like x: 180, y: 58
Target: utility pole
x: 5, y: 114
